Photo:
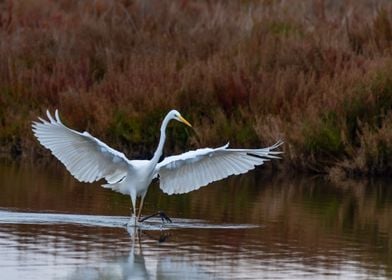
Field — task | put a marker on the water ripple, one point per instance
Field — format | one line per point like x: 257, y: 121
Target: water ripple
x: 10, y: 217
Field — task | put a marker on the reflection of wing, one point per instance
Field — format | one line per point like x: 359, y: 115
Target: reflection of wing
x: 146, y: 260
x: 194, y: 169
x: 86, y: 158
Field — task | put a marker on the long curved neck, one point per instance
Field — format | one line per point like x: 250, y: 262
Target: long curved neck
x: 159, y: 150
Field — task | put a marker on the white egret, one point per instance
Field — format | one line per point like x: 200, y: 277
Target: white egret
x: 89, y: 159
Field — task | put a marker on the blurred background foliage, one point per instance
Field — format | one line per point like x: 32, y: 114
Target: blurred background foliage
x: 317, y: 74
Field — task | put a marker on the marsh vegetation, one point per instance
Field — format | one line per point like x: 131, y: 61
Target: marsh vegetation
x: 317, y: 74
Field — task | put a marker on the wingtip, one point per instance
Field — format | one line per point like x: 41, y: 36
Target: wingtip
x: 49, y: 116
x: 57, y: 116
x: 42, y: 120
x: 279, y: 143
x: 34, y: 125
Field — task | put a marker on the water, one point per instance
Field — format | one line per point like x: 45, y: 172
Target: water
x: 252, y: 226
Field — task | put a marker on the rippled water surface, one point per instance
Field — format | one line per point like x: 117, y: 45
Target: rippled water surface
x: 251, y: 226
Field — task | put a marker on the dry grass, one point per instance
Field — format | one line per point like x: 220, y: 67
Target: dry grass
x: 317, y: 74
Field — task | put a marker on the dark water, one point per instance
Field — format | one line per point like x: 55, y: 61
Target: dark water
x: 250, y: 226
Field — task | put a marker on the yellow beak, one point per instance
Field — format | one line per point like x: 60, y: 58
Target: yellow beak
x: 185, y: 121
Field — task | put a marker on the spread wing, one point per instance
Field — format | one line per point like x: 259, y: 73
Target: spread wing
x: 86, y: 158
x: 194, y: 169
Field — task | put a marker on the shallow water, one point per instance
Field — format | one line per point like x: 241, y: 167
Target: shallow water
x: 251, y: 226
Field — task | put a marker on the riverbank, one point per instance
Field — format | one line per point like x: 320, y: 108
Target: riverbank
x: 316, y: 74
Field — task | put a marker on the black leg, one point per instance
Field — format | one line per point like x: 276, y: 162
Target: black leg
x: 160, y: 214
x: 164, y: 217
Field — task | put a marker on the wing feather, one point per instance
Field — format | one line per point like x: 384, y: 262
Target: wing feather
x: 85, y: 157
x: 194, y: 169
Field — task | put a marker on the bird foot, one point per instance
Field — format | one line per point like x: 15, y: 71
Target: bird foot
x: 164, y: 217
x: 160, y: 214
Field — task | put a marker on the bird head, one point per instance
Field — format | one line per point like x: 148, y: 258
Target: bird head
x: 177, y: 116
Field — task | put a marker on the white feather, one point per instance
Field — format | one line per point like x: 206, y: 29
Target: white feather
x: 194, y: 169
x: 85, y: 157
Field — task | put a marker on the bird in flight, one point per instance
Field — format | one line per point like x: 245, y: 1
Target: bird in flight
x: 88, y: 159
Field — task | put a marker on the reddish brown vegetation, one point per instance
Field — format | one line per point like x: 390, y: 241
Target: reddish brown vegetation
x: 317, y: 74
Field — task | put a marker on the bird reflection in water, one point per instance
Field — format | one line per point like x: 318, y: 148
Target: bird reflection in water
x: 143, y: 262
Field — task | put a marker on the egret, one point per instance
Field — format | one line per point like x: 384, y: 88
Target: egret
x: 88, y: 159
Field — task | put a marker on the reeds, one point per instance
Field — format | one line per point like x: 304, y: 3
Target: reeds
x: 317, y: 74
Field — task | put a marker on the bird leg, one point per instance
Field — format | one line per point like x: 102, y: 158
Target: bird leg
x: 140, y: 209
x: 133, y: 223
x: 160, y: 214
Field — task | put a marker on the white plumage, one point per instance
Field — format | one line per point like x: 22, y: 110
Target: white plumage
x: 89, y: 159
x: 86, y: 158
x: 194, y: 169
